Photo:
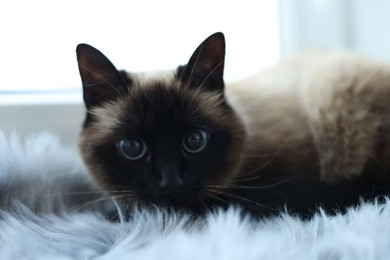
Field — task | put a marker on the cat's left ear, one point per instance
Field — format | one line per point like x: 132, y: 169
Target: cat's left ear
x: 205, y: 67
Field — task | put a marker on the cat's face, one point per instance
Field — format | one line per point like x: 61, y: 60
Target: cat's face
x: 162, y: 138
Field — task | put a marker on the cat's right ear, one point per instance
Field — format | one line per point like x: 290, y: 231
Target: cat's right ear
x: 102, y: 82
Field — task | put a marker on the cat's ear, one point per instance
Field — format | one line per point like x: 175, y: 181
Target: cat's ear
x: 205, y: 67
x: 102, y: 82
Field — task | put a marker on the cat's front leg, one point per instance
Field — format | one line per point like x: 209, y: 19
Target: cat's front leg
x: 344, y: 112
x: 344, y: 141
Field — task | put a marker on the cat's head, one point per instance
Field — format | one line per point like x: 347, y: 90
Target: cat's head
x: 167, y: 137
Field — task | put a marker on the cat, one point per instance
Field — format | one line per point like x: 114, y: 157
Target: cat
x: 301, y: 131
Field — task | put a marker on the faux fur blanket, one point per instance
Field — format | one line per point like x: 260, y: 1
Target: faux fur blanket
x: 45, y: 214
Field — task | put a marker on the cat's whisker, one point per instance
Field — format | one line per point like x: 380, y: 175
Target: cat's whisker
x: 215, y: 197
x: 259, y: 155
x: 268, y: 162
x: 88, y: 204
x: 62, y: 174
x: 122, y: 193
x: 260, y: 167
x: 74, y: 193
x: 248, y: 177
x: 200, y: 200
x: 256, y: 177
x: 207, y: 195
x: 207, y: 202
x: 118, y: 188
x: 242, y: 199
x: 124, y: 197
x: 238, y: 186
x: 261, y: 176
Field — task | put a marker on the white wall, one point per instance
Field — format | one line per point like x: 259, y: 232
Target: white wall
x: 359, y: 25
x: 312, y: 23
x: 371, y: 27
x: 39, y: 37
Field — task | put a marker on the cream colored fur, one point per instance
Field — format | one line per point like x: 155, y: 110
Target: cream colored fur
x: 332, y: 104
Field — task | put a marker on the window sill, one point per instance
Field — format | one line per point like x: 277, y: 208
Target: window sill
x: 23, y: 99
x: 59, y: 113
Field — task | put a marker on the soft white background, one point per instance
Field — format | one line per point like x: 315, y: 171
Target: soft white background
x: 39, y: 37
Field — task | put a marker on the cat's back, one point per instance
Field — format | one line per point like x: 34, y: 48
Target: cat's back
x: 268, y: 104
x: 278, y: 104
x: 270, y: 101
x: 305, y: 79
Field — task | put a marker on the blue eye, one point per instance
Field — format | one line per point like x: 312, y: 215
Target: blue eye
x: 133, y: 148
x: 196, y: 140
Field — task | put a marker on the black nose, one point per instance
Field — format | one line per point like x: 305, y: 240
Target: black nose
x: 171, y: 185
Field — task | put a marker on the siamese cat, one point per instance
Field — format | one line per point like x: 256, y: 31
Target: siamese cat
x: 304, y: 132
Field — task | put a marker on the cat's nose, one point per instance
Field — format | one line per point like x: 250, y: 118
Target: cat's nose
x: 170, y: 184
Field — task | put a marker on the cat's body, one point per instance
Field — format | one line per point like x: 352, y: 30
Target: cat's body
x: 181, y: 138
x: 331, y: 107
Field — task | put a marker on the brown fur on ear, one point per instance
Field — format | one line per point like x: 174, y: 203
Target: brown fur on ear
x: 101, y: 80
x: 206, y: 65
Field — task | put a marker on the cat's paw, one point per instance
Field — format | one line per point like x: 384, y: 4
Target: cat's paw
x: 342, y: 157
x: 344, y: 145
x: 339, y: 169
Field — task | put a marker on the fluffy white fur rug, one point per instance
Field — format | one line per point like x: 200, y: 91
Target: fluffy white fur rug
x: 42, y: 217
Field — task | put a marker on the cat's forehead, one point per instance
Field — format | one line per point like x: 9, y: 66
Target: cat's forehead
x: 159, y: 91
x: 156, y: 100
x: 152, y: 78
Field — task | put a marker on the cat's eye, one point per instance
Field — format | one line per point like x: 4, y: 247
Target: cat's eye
x: 196, y: 140
x: 133, y: 148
